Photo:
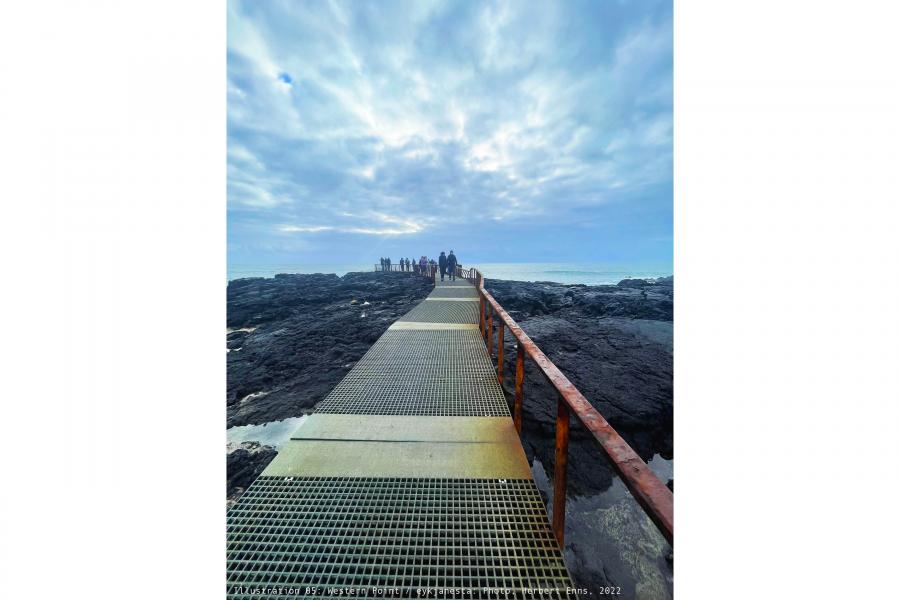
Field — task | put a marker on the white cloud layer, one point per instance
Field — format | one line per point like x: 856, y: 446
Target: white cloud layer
x: 393, y: 118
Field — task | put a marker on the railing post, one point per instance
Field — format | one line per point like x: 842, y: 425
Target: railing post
x: 481, y: 314
x: 520, y: 387
x: 490, y: 330
x: 500, y: 353
x: 559, y: 470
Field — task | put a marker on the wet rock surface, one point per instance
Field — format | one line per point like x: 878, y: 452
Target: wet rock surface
x: 244, y: 464
x: 292, y: 338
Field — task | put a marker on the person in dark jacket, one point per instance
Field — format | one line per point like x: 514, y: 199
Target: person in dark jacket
x: 442, y: 263
x: 451, y: 266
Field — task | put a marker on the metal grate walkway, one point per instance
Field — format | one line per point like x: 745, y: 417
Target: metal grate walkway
x: 408, y: 481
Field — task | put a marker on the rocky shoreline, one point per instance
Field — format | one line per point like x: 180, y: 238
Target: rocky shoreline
x: 292, y: 338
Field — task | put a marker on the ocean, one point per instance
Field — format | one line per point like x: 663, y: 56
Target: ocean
x: 586, y: 273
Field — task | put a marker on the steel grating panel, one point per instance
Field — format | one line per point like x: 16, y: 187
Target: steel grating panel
x: 423, y: 340
x: 457, y: 283
x: 417, y: 352
x: 445, y: 338
x: 382, y: 393
x: 443, y: 312
x: 398, y: 325
x: 454, y: 292
x: 452, y: 368
x: 326, y: 536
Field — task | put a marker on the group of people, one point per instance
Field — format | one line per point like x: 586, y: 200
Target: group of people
x: 405, y: 264
x: 447, y: 263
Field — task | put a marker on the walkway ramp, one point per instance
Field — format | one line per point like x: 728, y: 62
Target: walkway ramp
x: 409, y: 480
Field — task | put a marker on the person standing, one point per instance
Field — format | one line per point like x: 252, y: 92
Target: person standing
x: 451, y: 266
x: 442, y: 263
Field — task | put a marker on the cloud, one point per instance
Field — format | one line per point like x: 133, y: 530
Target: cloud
x: 369, y: 224
x: 413, y: 117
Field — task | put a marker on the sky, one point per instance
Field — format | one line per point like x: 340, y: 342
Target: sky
x: 507, y: 131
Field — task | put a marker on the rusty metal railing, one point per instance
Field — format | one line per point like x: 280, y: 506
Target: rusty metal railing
x: 651, y: 493
x: 428, y: 271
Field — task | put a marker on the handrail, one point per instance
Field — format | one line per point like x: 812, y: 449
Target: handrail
x: 428, y: 271
x: 651, y: 493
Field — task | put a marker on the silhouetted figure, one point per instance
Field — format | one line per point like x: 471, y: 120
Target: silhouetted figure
x: 442, y: 263
x: 387, y: 263
x: 381, y: 260
x: 451, y: 266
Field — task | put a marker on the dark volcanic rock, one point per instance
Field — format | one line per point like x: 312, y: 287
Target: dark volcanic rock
x: 292, y: 338
x: 615, y: 344
x: 245, y: 462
